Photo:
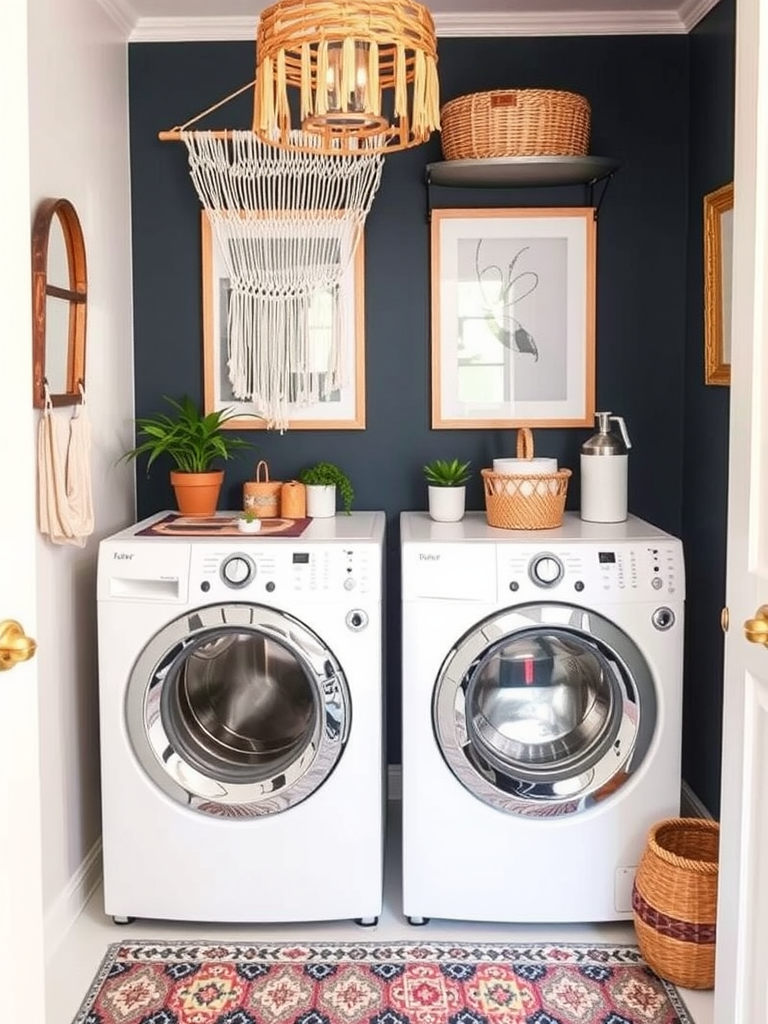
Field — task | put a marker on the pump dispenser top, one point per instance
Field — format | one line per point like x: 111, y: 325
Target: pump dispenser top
x: 604, y: 472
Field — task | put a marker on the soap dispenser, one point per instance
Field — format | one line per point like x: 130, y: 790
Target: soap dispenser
x: 604, y: 471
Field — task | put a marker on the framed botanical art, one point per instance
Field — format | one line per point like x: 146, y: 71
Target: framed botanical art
x: 718, y: 268
x: 513, y: 317
x: 342, y: 408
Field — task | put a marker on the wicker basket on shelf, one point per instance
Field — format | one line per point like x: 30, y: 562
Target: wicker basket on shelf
x: 674, y: 900
x: 522, y: 501
x: 515, y: 122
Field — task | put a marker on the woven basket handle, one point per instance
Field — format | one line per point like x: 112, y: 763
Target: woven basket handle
x: 524, y: 443
x: 258, y: 472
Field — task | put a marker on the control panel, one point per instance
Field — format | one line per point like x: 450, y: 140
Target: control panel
x: 254, y: 571
x: 632, y: 571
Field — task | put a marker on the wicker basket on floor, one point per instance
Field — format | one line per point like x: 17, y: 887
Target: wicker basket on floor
x: 674, y: 900
x: 515, y: 122
x: 524, y: 502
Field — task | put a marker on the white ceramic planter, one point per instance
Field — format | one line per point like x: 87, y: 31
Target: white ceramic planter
x: 321, y: 501
x: 446, y: 504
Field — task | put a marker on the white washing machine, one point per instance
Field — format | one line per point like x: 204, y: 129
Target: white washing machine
x: 542, y: 706
x: 241, y: 714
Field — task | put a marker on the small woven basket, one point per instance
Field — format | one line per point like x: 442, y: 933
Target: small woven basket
x: 515, y: 122
x: 262, y: 495
x: 518, y: 502
x: 674, y: 900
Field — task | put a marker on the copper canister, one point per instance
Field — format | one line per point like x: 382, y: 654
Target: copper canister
x: 293, y: 500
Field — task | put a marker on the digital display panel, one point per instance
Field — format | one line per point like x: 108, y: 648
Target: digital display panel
x: 300, y: 557
x: 606, y: 557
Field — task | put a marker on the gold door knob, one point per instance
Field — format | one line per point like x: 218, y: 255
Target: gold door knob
x: 756, y: 630
x: 15, y: 645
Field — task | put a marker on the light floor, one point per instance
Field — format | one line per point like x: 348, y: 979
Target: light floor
x: 77, y: 961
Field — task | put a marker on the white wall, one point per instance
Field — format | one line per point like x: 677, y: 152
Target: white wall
x: 79, y: 150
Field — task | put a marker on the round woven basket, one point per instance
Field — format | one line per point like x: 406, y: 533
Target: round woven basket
x: 523, y: 502
x: 515, y: 122
x: 674, y: 900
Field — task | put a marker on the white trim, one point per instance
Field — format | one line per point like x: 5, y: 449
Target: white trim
x: 394, y: 782
x: 69, y: 904
x: 691, y: 806
x: 559, y: 23
x: 121, y: 12
x: 693, y: 11
x: 222, y: 28
x: 194, y: 30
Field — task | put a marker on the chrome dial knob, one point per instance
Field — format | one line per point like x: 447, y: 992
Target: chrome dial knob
x: 546, y: 570
x: 237, y: 571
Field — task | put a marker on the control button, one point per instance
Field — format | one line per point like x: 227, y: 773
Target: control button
x: 514, y: 586
x: 349, y: 583
x: 546, y: 570
x: 237, y: 571
x: 205, y: 586
x: 663, y: 618
x: 657, y: 583
x: 578, y: 585
x: 270, y: 586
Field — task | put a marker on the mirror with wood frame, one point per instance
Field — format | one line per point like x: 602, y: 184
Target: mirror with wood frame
x: 59, y: 299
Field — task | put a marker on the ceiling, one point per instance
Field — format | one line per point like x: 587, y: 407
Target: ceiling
x: 193, y: 20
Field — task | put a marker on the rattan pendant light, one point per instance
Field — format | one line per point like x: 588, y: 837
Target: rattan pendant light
x: 357, y: 74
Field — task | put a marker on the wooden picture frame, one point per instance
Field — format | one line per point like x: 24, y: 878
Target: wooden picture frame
x: 513, y: 317
x: 718, y: 269
x: 343, y: 410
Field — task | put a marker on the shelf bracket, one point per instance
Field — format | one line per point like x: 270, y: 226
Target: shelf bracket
x: 605, y: 180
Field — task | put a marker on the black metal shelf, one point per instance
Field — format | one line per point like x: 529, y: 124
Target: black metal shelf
x: 521, y: 171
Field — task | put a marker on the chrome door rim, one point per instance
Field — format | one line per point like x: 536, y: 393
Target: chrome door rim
x: 633, y: 731
x: 167, y: 766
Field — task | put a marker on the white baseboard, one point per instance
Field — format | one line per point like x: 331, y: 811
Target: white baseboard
x: 69, y: 904
x: 691, y: 806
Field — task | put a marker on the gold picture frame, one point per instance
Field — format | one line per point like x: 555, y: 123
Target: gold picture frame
x: 344, y: 410
x: 718, y: 268
x: 513, y: 317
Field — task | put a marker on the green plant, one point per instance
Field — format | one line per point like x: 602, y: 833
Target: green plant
x: 444, y: 473
x: 192, y: 440
x: 324, y: 474
x: 248, y: 515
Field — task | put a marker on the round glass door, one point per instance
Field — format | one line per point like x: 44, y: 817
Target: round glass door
x: 544, y: 710
x: 237, y: 710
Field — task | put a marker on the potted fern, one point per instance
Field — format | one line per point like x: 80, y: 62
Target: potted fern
x: 324, y: 481
x: 446, y: 480
x: 194, y: 441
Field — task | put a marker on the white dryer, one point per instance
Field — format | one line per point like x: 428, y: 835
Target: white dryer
x: 241, y: 714
x: 542, y: 707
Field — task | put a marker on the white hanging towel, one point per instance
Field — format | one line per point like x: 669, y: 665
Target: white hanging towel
x: 65, y: 508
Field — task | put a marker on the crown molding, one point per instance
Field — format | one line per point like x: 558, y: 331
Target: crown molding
x: 465, y: 25
x: 693, y: 11
x: 194, y: 30
x: 559, y: 23
x: 121, y: 13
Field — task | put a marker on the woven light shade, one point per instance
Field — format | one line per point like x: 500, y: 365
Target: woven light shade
x: 358, y: 75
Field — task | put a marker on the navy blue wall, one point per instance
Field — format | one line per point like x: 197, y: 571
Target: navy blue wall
x: 705, y: 443
x: 638, y: 88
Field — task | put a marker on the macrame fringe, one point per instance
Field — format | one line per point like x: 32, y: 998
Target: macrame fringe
x: 287, y: 225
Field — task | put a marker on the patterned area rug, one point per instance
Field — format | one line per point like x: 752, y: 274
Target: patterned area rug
x: 401, y: 983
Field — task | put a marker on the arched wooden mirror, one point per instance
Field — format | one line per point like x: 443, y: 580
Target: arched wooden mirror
x: 59, y: 298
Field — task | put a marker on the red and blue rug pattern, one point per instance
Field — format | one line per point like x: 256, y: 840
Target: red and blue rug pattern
x: 368, y: 983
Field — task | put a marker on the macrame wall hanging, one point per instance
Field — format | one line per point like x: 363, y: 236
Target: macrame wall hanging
x: 287, y: 206
x: 287, y: 225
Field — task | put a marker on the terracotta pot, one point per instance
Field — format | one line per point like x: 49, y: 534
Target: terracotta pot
x: 197, y: 494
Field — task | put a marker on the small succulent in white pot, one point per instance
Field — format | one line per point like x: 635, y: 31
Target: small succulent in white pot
x: 446, y: 479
